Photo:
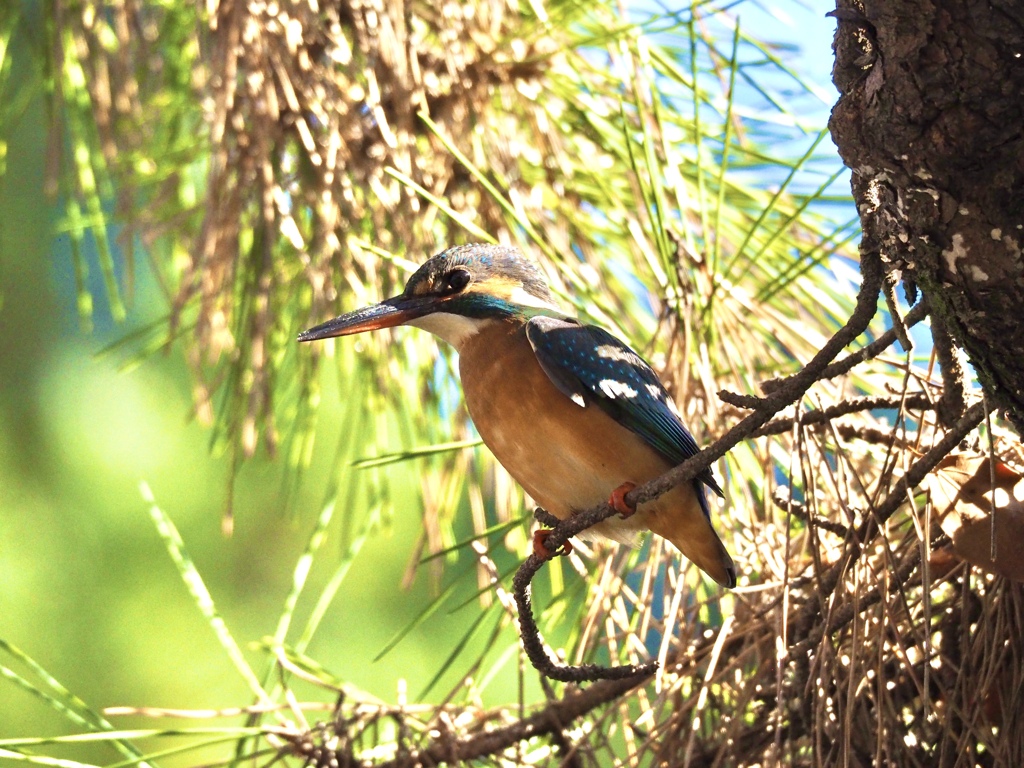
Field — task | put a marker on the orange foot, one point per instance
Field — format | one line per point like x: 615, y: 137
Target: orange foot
x: 543, y: 552
x: 618, y: 502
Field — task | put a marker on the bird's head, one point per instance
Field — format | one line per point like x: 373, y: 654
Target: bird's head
x: 453, y: 294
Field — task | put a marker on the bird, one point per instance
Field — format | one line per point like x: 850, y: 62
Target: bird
x: 573, y: 413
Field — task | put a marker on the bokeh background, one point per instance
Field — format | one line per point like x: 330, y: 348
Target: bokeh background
x: 86, y: 586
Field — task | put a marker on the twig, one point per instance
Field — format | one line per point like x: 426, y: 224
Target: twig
x: 784, y: 502
x: 951, y: 404
x: 867, y: 352
x: 756, y: 734
x: 897, y: 496
x: 534, y: 644
x: 544, y: 517
x: 915, y: 402
x: 920, y: 469
x: 867, y: 434
x: 898, y: 326
x: 845, y: 613
x: 541, y: 723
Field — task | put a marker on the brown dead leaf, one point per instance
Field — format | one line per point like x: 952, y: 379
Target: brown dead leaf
x: 970, y: 505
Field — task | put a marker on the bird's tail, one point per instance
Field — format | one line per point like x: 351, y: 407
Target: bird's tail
x: 683, y: 516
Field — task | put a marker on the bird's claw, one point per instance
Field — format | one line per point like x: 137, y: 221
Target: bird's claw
x: 543, y: 552
x: 617, y: 500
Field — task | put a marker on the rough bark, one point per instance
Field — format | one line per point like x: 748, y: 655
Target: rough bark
x: 931, y: 121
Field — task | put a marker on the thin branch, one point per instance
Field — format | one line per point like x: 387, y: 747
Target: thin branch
x: 533, y: 643
x: 897, y: 496
x: 867, y: 352
x: 756, y: 733
x: 915, y: 402
x: 846, y: 612
x: 899, y: 327
x: 951, y: 404
x: 787, y: 504
x: 547, y: 721
x: 868, y: 435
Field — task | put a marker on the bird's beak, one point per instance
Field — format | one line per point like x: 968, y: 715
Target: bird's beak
x: 387, y: 314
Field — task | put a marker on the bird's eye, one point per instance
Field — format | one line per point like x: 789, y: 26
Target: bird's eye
x: 456, y: 280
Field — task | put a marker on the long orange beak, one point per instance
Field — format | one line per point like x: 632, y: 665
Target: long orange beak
x: 387, y: 314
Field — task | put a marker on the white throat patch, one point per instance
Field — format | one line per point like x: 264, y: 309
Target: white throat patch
x: 455, y: 329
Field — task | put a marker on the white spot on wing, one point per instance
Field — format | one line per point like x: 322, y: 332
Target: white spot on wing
x: 578, y: 399
x: 672, y: 407
x: 614, y: 389
x: 612, y: 352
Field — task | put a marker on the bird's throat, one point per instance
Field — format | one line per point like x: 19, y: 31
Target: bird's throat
x: 455, y: 329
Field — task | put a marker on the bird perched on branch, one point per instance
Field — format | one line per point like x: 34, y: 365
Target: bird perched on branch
x: 574, y: 415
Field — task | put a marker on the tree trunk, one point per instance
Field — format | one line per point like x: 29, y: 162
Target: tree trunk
x: 931, y: 121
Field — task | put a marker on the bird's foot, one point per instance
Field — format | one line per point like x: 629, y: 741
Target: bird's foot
x: 543, y: 552
x: 617, y: 500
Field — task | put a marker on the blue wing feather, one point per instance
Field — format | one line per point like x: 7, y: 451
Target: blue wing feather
x: 592, y: 367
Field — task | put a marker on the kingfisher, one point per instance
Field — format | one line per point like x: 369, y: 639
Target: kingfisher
x: 575, y: 415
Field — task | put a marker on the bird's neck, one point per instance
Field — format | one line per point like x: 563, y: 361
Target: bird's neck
x: 458, y: 329
x: 455, y: 329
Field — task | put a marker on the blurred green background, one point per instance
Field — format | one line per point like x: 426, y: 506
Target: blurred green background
x: 86, y: 586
